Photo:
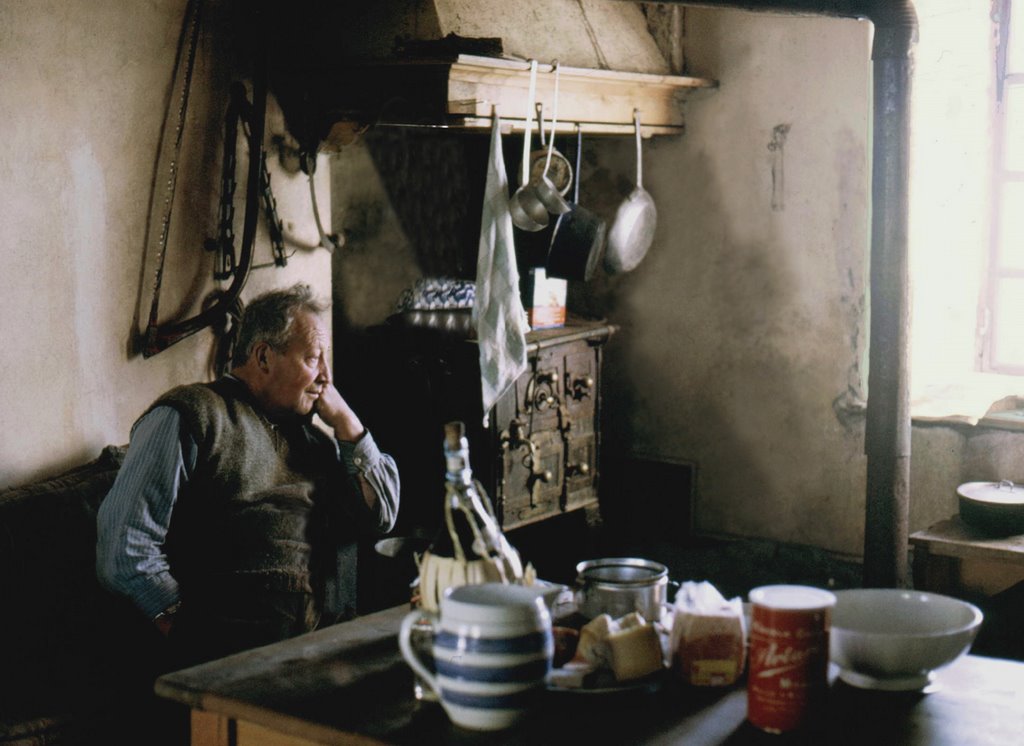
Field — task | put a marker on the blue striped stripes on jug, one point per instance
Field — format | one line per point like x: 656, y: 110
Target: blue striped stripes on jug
x: 492, y: 652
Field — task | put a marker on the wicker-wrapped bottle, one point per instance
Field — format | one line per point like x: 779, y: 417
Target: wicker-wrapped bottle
x: 470, y: 547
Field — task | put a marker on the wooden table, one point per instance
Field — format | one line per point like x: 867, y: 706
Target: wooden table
x: 349, y: 684
x: 951, y: 556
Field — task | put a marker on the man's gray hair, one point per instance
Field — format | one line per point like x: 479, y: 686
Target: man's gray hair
x: 269, y: 318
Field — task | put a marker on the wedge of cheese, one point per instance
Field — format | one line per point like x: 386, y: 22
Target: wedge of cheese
x: 593, y: 644
x: 635, y: 652
x: 629, y: 646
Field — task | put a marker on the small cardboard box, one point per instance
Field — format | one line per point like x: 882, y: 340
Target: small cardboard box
x: 545, y: 299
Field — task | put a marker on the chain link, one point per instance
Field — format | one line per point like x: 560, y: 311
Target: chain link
x: 224, y: 244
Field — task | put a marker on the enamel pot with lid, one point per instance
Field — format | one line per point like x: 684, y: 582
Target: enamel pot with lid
x: 578, y: 240
x: 620, y: 585
x: 996, y: 508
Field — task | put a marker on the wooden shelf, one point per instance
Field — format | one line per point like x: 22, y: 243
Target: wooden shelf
x: 600, y: 101
x: 461, y: 93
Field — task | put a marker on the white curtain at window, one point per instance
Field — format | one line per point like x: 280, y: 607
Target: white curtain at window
x: 951, y: 156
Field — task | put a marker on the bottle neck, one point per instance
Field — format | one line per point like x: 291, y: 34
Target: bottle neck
x: 458, y: 469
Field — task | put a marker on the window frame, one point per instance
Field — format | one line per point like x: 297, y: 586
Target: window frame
x: 992, y: 360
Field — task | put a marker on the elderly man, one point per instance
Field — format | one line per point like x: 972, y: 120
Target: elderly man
x: 231, y: 523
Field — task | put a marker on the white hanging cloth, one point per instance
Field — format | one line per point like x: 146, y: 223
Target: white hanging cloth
x: 498, y: 314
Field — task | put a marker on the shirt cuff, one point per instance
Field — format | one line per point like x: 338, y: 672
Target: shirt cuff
x: 159, y: 593
x: 360, y: 457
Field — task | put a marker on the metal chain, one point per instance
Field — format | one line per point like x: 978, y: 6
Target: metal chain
x: 274, y: 227
x: 225, y: 242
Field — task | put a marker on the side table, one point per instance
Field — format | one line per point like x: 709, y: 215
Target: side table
x: 951, y: 556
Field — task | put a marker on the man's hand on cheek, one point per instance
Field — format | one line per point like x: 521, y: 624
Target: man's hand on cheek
x: 335, y: 411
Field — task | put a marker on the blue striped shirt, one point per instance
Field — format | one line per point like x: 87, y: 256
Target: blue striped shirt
x: 134, y: 517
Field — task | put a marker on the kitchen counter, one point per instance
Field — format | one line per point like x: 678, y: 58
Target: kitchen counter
x: 349, y: 684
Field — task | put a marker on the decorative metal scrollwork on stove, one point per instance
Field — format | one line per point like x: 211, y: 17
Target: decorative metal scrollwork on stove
x: 515, y: 438
x: 541, y: 393
x: 580, y: 387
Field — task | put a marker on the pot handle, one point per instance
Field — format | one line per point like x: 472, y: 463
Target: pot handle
x: 672, y: 590
x: 639, y: 158
x: 528, y: 127
x: 579, y: 149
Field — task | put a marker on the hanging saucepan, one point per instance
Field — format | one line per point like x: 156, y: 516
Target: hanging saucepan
x: 579, y: 237
x: 528, y: 212
x: 996, y: 508
x: 632, y: 230
x: 560, y: 172
x: 544, y: 188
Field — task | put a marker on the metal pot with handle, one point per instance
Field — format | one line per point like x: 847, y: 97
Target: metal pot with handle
x: 528, y: 212
x: 996, y: 508
x: 579, y: 237
x: 559, y: 171
x: 620, y: 585
x: 543, y: 187
x: 632, y: 230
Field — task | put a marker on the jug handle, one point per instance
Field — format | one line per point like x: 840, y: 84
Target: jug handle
x: 405, y: 645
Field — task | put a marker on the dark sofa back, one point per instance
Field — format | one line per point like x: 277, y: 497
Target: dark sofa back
x: 60, y: 632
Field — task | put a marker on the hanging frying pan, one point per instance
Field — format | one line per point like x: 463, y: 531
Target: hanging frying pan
x: 632, y: 230
x: 579, y: 236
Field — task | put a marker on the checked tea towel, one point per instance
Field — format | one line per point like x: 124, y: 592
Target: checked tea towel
x: 498, y: 314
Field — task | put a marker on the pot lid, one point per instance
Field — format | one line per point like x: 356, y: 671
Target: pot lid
x: 1003, y: 492
x: 621, y: 571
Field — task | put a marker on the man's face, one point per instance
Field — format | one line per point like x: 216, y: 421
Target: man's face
x: 298, y: 374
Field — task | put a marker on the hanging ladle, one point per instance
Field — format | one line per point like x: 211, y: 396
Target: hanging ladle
x: 528, y: 212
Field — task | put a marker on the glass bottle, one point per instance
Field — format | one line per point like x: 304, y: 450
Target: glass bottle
x: 470, y: 547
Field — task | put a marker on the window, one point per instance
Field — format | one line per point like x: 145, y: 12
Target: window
x: 1003, y: 331
x: 967, y: 210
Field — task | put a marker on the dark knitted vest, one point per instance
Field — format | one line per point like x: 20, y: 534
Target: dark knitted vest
x: 253, y: 517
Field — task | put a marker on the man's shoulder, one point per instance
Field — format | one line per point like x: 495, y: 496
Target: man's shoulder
x: 190, y: 395
x: 203, y: 400
x: 207, y: 409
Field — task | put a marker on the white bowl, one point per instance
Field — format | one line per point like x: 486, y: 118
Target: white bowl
x: 887, y: 638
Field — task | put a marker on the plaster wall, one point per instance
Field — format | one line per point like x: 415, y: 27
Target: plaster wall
x: 743, y: 338
x: 85, y: 87
x: 744, y: 343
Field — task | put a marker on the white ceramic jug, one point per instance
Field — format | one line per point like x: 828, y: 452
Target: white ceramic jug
x: 492, y: 652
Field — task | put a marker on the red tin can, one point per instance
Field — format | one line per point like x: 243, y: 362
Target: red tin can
x: 787, y: 680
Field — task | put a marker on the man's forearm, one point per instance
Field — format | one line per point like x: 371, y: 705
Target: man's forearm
x: 377, y: 477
